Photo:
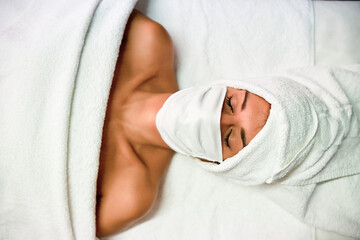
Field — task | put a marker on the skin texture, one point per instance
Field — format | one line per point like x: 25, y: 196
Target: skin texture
x: 133, y: 157
x: 243, y: 115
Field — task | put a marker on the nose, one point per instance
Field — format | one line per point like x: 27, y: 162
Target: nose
x: 226, y: 120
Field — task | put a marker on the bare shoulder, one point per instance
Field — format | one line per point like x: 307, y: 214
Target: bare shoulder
x: 129, y: 189
x: 149, y: 32
x: 131, y: 196
x: 149, y: 49
x: 150, y: 37
x: 131, y: 192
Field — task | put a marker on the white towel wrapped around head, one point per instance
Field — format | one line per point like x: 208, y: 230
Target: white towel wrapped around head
x: 306, y: 125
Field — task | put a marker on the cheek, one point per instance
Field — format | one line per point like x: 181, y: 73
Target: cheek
x: 225, y: 152
x: 235, y: 143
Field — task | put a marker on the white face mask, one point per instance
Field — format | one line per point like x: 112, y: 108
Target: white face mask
x: 189, y: 122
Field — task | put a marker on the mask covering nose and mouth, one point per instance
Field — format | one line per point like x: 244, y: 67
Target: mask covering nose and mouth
x: 189, y: 122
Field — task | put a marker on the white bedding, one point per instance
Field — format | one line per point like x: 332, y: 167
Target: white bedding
x: 56, y: 68
x: 337, y: 34
x: 48, y: 175
x: 184, y: 210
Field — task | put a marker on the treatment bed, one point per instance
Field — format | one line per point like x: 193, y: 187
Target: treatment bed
x: 56, y: 67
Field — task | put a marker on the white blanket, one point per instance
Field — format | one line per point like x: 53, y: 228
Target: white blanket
x: 56, y: 66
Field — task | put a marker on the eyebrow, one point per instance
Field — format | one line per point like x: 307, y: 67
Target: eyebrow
x: 243, y: 103
x: 242, y: 133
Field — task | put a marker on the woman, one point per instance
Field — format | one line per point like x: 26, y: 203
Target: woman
x: 134, y: 157
x: 294, y: 130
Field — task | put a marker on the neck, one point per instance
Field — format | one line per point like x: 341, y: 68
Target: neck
x: 139, y: 119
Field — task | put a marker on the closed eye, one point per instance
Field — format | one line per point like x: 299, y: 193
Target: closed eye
x: 228, y: 102
x: 227, y: 139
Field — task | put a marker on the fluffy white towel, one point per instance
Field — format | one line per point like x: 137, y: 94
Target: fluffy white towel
x: 306, y: 125
x: 189, y: 122
x: 56, y: 66
x: 331, y: 205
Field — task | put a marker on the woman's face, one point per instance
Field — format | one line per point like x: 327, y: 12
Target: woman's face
x: 243, y: 115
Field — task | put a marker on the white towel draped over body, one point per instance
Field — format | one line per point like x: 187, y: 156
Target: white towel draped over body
x: 56, y: 67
